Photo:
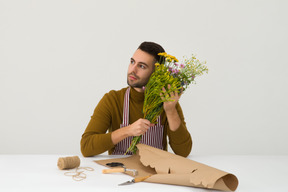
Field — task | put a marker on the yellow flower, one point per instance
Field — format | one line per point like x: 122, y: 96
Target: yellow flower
x: 162, y: 54
x: 171, y: 57
x: 157, y: 64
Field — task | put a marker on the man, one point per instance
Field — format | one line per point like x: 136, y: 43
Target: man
x: 120, y: 112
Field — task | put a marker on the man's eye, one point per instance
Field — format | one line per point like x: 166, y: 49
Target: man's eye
x: 132, y: 62
x: 142, y: 66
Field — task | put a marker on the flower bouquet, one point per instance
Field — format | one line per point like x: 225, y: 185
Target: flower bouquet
x: 167, y: 72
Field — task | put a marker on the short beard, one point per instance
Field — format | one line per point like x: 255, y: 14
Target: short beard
x: 136, y: 85
x: 140, y: 84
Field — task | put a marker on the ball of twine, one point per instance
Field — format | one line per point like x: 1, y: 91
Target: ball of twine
x: 68, y: 162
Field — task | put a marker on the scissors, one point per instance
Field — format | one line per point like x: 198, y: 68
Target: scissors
x: 115, y: 164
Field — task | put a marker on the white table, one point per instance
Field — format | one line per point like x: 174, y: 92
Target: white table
x: 40, y: 173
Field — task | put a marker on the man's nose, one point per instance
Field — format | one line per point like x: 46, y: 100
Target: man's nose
x: 134, y: 68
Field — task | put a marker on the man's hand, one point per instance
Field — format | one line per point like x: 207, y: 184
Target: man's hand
x: 170, y: 106
x: 139, y: 127
x: 174, y: 120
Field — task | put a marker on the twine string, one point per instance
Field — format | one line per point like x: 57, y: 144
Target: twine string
x: 71, y: 163
x: 78, y: 175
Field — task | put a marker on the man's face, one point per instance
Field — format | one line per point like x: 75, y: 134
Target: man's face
x: 140, y: 69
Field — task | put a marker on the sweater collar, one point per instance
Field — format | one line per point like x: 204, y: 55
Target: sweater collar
x: 135, y: 95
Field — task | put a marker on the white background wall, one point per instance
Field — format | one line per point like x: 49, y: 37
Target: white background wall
x: 59, y: 57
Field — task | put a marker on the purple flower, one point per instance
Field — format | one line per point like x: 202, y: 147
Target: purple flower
x: 182, y: 65
x: 176, y: 64
x: 175, y: 71
x: 170, y: 69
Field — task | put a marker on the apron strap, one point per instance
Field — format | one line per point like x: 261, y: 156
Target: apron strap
x: 126, y: 109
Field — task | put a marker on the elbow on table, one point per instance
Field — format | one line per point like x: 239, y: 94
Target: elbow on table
x: 86, y: 152
x: 189, y: 146
x: 184, y: 150
x: 189, y: 149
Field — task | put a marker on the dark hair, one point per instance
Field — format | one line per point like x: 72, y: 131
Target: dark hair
x: 152, y: 48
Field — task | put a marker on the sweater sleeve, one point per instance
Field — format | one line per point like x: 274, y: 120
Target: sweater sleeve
x: 95, y: 140
x: 180, y: 140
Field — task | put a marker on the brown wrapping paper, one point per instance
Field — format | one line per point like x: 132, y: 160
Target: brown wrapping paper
x: 168, y: 168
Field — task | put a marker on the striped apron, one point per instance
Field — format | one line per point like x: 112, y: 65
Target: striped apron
x: 152, y: 137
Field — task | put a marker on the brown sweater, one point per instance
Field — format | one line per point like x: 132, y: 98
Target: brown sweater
x: 108, y: 116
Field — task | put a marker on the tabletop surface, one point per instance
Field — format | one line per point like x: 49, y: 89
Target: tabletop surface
x: 40, y: 173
